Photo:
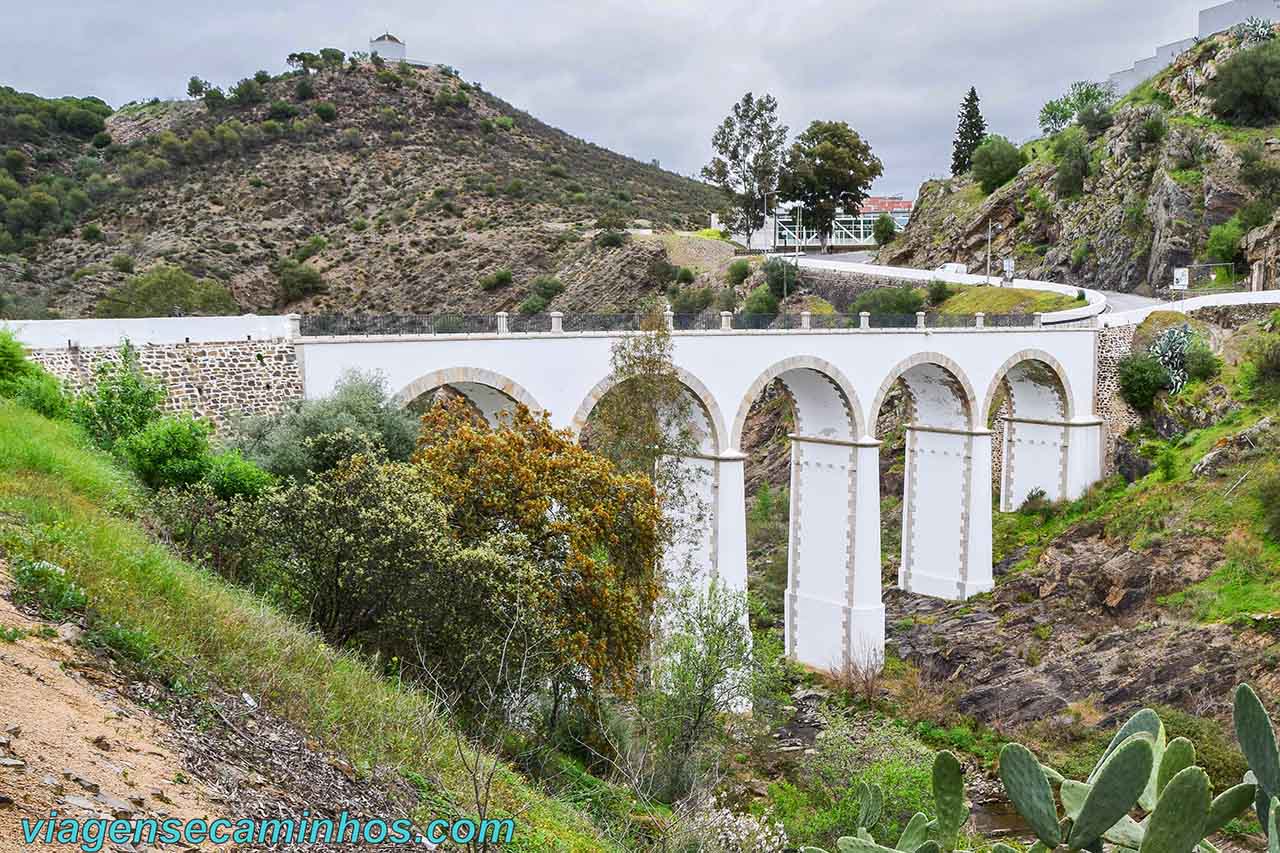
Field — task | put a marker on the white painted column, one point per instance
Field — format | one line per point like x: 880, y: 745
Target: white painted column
x: 833, y: 608
x: 946, y: 529
x: 1084, y: 455
x: 864, y: 640
x: 731, y: 520
x: 977, y: 576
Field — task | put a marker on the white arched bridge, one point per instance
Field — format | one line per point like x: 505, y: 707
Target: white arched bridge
x: 1040, y: 378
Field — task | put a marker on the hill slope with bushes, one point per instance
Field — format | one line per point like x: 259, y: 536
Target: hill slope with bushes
x: 345, y: 186
x: 1174, y: 174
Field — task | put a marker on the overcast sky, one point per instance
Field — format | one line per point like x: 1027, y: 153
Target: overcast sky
x: 648, y: 78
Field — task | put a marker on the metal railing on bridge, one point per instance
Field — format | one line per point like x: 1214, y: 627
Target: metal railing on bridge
x: 357, y: 325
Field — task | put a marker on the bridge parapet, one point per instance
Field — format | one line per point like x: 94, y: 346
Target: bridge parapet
x: 557, y: 323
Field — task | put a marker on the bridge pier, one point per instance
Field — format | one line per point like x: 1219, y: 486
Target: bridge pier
x: 834, y: 613
x: 946, y: 532
x: 1061, y: 457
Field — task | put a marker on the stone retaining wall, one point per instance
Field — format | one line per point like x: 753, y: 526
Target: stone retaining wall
x: 841, y: 288
x: 211, y: 380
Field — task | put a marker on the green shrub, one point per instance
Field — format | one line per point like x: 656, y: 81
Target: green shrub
x: 305, y: 90
x: 1167, y: 464
x: 1264, y: 357
x: 122, y: 263
x: 1201, y: 363
x: 727, y: 299
x: 546, y: 286
x: 1071, y: 154
x: 684, y: 275
x: 92, y: 233
x: 995, y: 162
x: 500, y: 277
x: 168, y: 451
x: 761, y: 301
x: 288, y: 446
x: 41, y: 392
x: 610, y: 239
x: 1223, y: 245
x: 692, y: 300
x: 889, y: 300
x: 298, y: 280
x: 121, y: 401
x: 781, y: 277
x: 1142, y: 377
x: 1095, y: 119
x: 231, y: 475
x: 282, y: 110
x: 1244, y: 90
x: 532, y: 304
x: 164, y: 291
x: 939, y: 292
x: 326, y: 111
x: 738, y: 272
x: 884, y: 230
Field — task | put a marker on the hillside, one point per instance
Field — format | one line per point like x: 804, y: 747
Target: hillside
x: 139, y: 675
x: 1159, y: 179
x: 400, y: 186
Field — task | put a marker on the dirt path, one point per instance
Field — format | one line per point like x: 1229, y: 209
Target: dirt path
x: 70, y: 740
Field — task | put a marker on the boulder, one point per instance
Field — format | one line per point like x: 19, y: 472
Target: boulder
x: 1129, y: 463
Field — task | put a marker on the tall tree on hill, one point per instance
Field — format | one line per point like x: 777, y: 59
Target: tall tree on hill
x: 970, y: 132
x: 748, y: 156
x: 829, y: 167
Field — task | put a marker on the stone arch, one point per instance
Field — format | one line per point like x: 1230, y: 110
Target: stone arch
x: 1027, y: 385
x: 487, y: 390
x: 924, y: 371
x: 820, y: 389
x: 700, y: 392
x: 1031, y: 445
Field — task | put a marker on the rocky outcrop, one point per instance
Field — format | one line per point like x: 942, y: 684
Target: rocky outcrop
x: 1063, y: 632
x: 1157, y: 186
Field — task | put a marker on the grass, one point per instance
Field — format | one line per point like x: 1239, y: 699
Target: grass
x: 67, y: 504
x: 1006, y: 300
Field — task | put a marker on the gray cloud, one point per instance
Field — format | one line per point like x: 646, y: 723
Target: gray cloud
x: 649, y: 79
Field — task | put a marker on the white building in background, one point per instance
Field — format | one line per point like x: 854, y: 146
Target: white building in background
x: 388, y: 47
x: 1213, y: 20
x: 785, y: 228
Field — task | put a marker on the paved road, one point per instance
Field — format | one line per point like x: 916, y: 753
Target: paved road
x: 1128, y: 301
x: 1115, y: 301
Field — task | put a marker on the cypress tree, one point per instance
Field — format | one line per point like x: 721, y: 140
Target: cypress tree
x: 969, y: 133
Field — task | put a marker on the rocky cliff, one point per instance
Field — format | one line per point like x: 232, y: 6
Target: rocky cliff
x: 1159, y: 179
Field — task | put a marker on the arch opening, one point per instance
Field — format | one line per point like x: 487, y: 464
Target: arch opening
x: 801, y: 423
x: 1029, y: 407
x: 489, y: 394
x: 933, y: 458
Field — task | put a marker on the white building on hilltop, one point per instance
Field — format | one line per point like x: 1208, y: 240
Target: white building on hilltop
x: 1213, y: 20
x: 388, y: 47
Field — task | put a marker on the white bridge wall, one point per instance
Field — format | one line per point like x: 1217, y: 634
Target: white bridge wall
x: 833, y: 603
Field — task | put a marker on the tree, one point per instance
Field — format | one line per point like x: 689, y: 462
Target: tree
x: 970, y: 132
x: 121, y: 401
x: 591, y: 528
x: 829, y: 167
x: 1083, y: 95
x: 165, y: 291
x: 748, y: 155
x: 1247, y: 88
x: 196, y: 87
x: 995, y: 162
x: 884, y: 230
x: 648, y: 424
x: 284, y: 443
x: 1071, y: 153
x: 1055, y: 115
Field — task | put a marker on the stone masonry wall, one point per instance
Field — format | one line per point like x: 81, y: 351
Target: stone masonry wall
x: 841, y: 288
x: 1117, y: 416
x: 211, y: 380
